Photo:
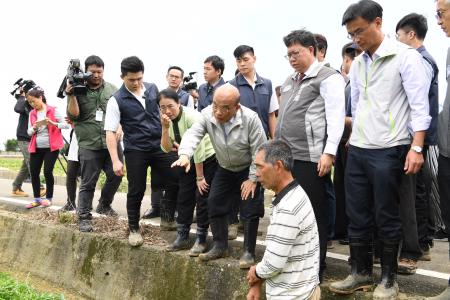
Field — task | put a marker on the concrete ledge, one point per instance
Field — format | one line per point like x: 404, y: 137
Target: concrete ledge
x: 104, y: 268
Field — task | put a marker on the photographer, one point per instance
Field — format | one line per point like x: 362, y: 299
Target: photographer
x: 87, y: 112
x: 23, y: 108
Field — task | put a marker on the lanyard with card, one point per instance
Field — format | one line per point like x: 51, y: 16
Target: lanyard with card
x: 99, y: 115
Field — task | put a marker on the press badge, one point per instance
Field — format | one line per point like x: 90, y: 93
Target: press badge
x: 99, y: 115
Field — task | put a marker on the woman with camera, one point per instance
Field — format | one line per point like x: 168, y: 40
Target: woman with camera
x: 44, y: 127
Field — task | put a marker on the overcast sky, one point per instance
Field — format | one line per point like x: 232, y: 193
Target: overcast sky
x: 40, y: 37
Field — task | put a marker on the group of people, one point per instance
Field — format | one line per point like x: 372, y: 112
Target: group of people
x: 208, y: 150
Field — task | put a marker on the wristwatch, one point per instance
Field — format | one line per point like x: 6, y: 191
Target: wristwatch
x: 416, y: 149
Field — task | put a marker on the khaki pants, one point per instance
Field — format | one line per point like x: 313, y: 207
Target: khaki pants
x: 316, y: 294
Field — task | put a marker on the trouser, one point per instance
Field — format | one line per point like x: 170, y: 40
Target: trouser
x: 444, y: 190
x: 226, y: 188
x: 339, y: 187
x: 24, y: 171
x: 48, y: 158
x: 305, y: 173
x: 331, y: 205
x: 407, y: 195
x: 73, y: 169
x: 189, y: 195
x: 372, y: 180
x: 92, y: 162
x: 163, y: 178
x: 425, y: 228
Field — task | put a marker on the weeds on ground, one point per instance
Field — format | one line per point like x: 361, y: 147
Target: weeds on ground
x: 11, y: 289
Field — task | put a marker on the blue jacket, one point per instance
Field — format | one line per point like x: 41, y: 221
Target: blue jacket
x: 141, y: 125
x: 431, y: 137
x: 206, y: 93
x: 258, y: 99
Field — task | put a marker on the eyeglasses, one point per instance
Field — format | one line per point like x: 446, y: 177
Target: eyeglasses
x: 293, y: 54
x: 440, y: 13
x: 168, y: 107
x: 357, y: 33
x: 222, y: 109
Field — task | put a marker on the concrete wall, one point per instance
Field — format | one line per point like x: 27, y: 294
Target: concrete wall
x: 103, y: 268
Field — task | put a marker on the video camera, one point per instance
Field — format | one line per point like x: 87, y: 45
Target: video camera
x: 76, y: 77
x: 25, y: 85
x: 189, y: 82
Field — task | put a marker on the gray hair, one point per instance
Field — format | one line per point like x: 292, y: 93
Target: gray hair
x: 277, y: 150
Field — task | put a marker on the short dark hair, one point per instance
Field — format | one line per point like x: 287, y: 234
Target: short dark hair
x: 322, y: 43
x: 415, y: 22
x: 37, y: 92
x: 168, y: 93
x: 176, y: 68
x: 94, y: 60
x: 131, y: 64
x: 216, y: 62
x: 302, y: 37
x: 277, y: 150
x: 349, y: 50
x: 241, y: 50
x: 367, y: 9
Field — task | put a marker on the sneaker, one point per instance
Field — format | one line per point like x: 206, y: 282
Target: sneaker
x: 426, y: 255
x: 407, y: 266
x: 106, y: 210
x: 330, y: 244
x: 46, y: 203
x: 33, y: 204
x: 19, y: 193
x: 69, y: 207
x: 42, y: 192
x: 135, y: 239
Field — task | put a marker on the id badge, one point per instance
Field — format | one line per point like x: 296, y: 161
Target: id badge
x: 99, y: 115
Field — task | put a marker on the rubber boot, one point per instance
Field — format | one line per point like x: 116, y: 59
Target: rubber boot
x: 219, y: 228
x: 361, y: 260
x: 167, y: 210
x: 182, y: 240
x: 85, y: 223
x: 200, y: 242
x: 388, y: 287
x: 250, y: 231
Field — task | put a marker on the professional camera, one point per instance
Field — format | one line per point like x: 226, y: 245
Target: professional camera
x: 189, y: 82
x: 76, y: 77
x: 25, y: 85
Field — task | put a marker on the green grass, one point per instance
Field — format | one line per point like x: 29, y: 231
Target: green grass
x: 11, y: 289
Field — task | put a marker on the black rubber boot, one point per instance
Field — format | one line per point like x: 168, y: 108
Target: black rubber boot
x: 361, y: 260
x: 219, y: 228
x: 200, y: 242
x: 85, y: 223
x: 182, y: 240
x: 167, y: 210
x: 388, y: 287
x: 250, y: 232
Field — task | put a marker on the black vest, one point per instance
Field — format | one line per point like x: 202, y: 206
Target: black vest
x: 141, y: 125
x: 431, y: 137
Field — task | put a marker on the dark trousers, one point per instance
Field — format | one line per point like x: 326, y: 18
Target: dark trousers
x: 226, y: 188
x: 189, y: 195
x: 444, y: 190
x: 305, y: 173
x: 372, y: 180
x: 339, y: 187
x: 92, y: 162
x: 331, y: 204
x: 425, y: 228
x: 73, y: 170
x: 163, y: 178
x: 24, y: 171
x: 48, y: 158
x: 407, y: 195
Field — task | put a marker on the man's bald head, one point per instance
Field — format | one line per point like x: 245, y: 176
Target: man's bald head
x: 225, y: 102
x: 227, y: 92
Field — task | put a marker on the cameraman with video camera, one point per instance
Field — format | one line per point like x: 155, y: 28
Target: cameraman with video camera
x: 88, y: 113
x: 23, y: 108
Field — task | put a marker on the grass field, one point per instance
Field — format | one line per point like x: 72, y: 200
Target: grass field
x: 11, y: 289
